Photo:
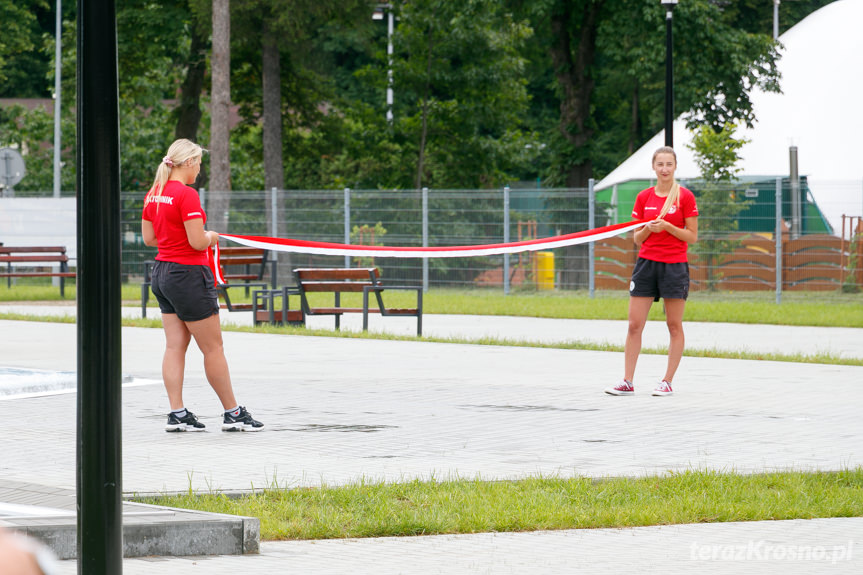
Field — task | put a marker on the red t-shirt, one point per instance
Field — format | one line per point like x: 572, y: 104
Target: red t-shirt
x: 662, y: 246
x: 168, y: 213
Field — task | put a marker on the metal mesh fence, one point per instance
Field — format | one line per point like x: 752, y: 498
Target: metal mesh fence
x: 819, y: 247
x: 737, y: 247
x: 399, y: 218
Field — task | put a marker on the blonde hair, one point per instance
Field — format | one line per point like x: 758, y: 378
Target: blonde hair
x: 180, y: 152
x: 673, y: 196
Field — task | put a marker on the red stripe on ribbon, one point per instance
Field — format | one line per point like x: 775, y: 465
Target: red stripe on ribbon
x: 334, y: 249
x: 213, y: 260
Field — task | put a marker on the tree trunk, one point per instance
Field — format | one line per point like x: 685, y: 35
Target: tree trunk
x: 220, y: 166
x: 573, y: 69
x: 425, y: 106
x: 274, y: 172
x: 274, y: 176
x: 189, y: 109
x: 635, y: 129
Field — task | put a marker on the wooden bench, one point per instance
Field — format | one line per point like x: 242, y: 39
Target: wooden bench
x: 36, y: 255
x: 241, y: 266
x: 352, y: 280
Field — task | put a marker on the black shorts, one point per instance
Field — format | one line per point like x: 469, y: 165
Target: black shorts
x: 188, y: 291
x: 659, y: 280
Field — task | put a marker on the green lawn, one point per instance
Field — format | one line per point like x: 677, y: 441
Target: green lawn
x: 474, y: 506
x: 830, y: 309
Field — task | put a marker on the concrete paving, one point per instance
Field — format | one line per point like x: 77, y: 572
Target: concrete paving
x: 779, y: 339
x: 756, y: 548
x: 340, y: 410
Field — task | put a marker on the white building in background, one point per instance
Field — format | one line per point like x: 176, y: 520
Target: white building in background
x: 39, y: 222
x: 820, y: 111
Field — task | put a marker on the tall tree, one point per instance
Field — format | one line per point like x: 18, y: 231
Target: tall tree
x: 717, y: 153
x: 189, y: 108
x: 615, y: 48
x: 154, y: 56
x: 460, y: 85
x: 574, y: 27
x: 280, y: 35
x: 271, y: 87
x: 220, y: 115
x: 18, y: 38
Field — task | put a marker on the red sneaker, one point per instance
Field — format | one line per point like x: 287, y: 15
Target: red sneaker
x: 664, y: 388
x: 622, y: 388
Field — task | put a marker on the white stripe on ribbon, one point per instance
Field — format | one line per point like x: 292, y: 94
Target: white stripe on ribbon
x: 334, y: 249
x: 213, y: 257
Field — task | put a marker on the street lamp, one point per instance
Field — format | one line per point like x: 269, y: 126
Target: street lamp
x: 775, y: 19
x: 58, y: 55
x: 378, y: 14
x: 669, y: 75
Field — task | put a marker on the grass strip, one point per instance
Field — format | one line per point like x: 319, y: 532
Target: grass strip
x: 816, y: 358
x: 825, y: 309
x: 368, y: 509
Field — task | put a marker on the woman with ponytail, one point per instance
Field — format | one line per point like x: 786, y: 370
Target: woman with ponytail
x: 662, y: 268
x: 183, y: 283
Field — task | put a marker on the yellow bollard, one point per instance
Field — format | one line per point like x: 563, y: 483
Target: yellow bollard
x: 544, y: 271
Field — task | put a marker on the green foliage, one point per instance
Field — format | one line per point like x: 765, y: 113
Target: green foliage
x: 25, y: 130
x: 18, y: 37
x: 717, y: 152
x: 460, y: 92
x: 152, y: 43
x: 479, y: 73
x: 718, y: 63
x: 754, y: 16
x: 366, y: 235
x: 144, y: 137
x: 247, y: 158
x: 717, y: 155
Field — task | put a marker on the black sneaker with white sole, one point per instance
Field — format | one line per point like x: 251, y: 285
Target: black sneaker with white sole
x: 241, y: 422
x: 186, y: 423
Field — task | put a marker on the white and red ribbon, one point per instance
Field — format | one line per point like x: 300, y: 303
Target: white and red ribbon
x: 334, y: 249
x: 213, y: 261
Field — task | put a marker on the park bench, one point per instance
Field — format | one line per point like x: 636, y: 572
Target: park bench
x: 38, y: 263
x: 351, y: 280
x: 266, y: 308
x: 241, y: 267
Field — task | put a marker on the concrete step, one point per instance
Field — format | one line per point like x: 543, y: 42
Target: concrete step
x: 49, y: 514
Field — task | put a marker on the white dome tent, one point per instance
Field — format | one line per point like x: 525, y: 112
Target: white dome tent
x: 819, y: 111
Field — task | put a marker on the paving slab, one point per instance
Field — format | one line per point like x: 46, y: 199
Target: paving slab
x: 340, y: 410
x: 800, y: 547
x: 732, y: 337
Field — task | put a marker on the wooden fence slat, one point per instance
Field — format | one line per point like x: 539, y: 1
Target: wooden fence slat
x: 812, y: 262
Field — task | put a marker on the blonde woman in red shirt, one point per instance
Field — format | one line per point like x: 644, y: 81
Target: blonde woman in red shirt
x: 662, y: 268
x: 182, y: 281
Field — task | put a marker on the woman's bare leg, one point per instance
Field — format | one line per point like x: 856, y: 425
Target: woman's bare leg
x: 177, y: 339
x: 674, y: 320
x: 208, y: 336
x: 639, y: 307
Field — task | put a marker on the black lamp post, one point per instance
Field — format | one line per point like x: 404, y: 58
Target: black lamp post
x: 378, y: 14
x: 669, y: 74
